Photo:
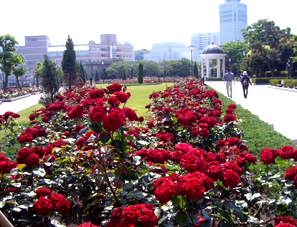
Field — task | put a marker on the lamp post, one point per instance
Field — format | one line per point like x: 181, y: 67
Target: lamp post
x: 191, y: 61
x: 229, y: 64
x: 102, y: 71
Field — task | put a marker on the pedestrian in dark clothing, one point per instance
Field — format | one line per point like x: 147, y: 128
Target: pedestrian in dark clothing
x: 245, y: 81
x: 91, y: 79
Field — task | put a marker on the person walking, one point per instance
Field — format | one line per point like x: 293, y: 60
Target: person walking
x: 245, y: 81
x: 228, y: 77
x: 91, y: 79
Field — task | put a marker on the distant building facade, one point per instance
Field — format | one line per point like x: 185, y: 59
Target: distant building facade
x: 94, y: 56
x: 233, y: 18
x: 168, y: 51
x: 201, y: 40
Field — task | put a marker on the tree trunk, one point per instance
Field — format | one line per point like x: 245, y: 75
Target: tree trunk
x: 290, y: 70
x: 17, y: 82
x: 5, y: 83
x: 37, y: 81
x: 70, y: 82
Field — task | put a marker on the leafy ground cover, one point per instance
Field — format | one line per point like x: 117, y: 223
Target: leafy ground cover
x: 87, y: 160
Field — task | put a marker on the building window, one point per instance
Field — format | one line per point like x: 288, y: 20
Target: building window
x: 60, y: 53
x: 93, y: 49
x: 103, y: 49
x: 83, y: 52
x: 97, y: 49
x: 52, y: 54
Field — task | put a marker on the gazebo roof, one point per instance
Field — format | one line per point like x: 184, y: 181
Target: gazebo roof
x: 213, y: 49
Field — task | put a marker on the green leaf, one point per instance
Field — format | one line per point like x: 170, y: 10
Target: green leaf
x: 2, y: 204
x: 181, y: 218
x: 95, y: 127
x: 205, y: 223
x: 229, y: 205
x: 137, y: 194
x: 178, y: 201
x: 238, y: 212
x: 104, y: 138
x: 158, y: 212
x: 164, y: 218
x: 205, y: 215
x: 40, y: 172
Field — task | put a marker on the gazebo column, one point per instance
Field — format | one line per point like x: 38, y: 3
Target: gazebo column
x: 224, y: 71
x: 218, y: 68
x: 207, y: 67
x: 202, y: 68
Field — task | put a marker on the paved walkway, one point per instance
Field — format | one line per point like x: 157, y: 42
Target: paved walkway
x: 20, y: 104
x: 274, y: 106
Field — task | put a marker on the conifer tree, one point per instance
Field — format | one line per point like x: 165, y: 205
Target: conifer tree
x: 97, y: 76
x: 68, y: 63
x: 195, y: 70
x: 140, y: 74
x: 124, y: 76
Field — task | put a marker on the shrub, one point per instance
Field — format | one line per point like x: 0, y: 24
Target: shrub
x: 291, y: 83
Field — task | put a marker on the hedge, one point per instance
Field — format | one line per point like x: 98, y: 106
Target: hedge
x: 291, y: 83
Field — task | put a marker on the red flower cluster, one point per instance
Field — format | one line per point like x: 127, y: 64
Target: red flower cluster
x: 48, y: 200
x: 291, y: 174
x: 285, y: 219
x: 30, y: 157
x: 165, y: 137
x: 5, y: 165
x: 268, y: 155
x: 192, y: 185
x: 133, y: 215
x: 88, y: 224
x: 153, y: 155
x: 30, y: 134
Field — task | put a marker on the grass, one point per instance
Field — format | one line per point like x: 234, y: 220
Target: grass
x: 258, y: 133
x: 140, y: 96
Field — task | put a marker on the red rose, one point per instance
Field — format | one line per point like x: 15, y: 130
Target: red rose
x: 88, y: 224
x: 76, y: 112
x: 164, y: 191
x: 116, y: 215
x: 32, y: 160
x: 233, y: 166
x: 229, y: 117
x: 285, y: 225
x: 122, y: 96
x: 190, y: 162
x: 42, y: 192
x: 56, y: 197
x: 114, y: 88
x: 195, y: 189
x: 97, y: 93
x: 291, y: 173
x: 233, y: 141
x: 43, y: 206
x: 130, y: 214
x: 233, y: 106
x: 45, y: 119
x: 37, y: 150
x: 287, y: 152
x: 215, y: 171
x: 97, y: 113
x: 195, y: 131
x: 112, y: 121
x: 130, y: 114
x: 113, y: 101
x: 248, y: 157
x: 63, y: 206
x: 200, y: 220
x: 165, y: 136
x: 183, y: 147
x: 230, y: 178
x: 203, y: 132
x: 15, y: 115
x: 285, y: 219
x: 148, y: 218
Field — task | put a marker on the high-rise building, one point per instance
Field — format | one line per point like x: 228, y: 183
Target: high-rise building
x: 201, y: 40
x: 233, y: 18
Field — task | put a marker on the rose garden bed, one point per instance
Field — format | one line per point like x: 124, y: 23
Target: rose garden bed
x: 88, y: 160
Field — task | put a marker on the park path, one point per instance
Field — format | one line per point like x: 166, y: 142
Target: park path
x: 20, y: 104
x: 277, y: 107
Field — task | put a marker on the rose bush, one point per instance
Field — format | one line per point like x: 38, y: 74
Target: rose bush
x: 90, y: 160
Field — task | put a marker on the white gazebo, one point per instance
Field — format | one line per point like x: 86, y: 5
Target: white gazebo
x: 212, y: 52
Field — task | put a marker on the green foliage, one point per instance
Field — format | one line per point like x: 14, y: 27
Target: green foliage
x: 97, y: 76
x: 139, y: 54
x: 8, y: 58
x: 19, y: 72
x: 68, y: 63
x: 124, y: 75
x: 195, y: 70
x: 234, y: 51
x: 140, y: 74
x: 51, y: 77
x: 37, y: 72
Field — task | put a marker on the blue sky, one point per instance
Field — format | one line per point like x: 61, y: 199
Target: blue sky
x: 140, y: 22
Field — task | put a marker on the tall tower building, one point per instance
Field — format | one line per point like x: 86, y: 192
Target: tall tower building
x: 233, y: 18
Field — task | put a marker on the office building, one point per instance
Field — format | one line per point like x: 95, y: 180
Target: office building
x: 94, y: 56
x: 233, y: 18
x: 201, y: 40
x: 168, y: 51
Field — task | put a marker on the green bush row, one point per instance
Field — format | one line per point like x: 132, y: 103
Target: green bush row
x: 291, y: 83
x: 213, y: 79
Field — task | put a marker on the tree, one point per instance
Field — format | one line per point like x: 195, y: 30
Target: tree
x: 18, y: 72
x: 8, y: 59
x: 68, y: 62
x: 139, y: 54
x: 96, y: 76
x: 37, y: 72
x: 124, y: 75
x: 195, y: 70
x: 235, y: 54
x: 51, y: 77
x: 264, y: 38
x: 140, y: 74
x: 82, y: 73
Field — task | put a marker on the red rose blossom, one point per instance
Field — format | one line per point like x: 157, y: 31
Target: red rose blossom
x: 43, y: 206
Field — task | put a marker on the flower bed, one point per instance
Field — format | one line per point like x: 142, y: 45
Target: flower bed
x: 14, y: 92
x: 88, y: 158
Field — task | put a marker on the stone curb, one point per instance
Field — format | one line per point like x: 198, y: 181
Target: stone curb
x: 284, y: 89
x: 16, y: 98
